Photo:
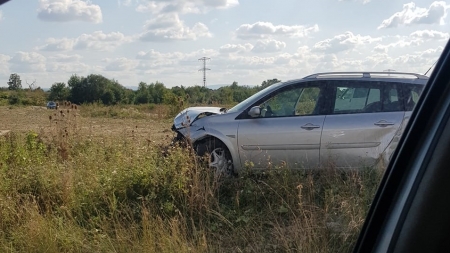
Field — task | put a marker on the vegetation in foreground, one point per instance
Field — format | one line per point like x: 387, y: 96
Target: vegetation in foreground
x: 63, y: 191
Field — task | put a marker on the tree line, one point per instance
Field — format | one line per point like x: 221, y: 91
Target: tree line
x: 96, y: 88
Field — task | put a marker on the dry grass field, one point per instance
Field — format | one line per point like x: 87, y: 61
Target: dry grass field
x: 151, y: 125
x: 102, y: 179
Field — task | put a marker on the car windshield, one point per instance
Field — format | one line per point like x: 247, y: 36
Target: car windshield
x: 250, y: 100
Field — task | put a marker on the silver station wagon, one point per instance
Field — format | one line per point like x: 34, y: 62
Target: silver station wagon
x: 340, y: 119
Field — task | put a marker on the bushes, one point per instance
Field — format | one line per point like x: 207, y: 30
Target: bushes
x: 21, y: 97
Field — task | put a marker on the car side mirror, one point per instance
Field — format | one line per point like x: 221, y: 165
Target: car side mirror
x: 255, y: 112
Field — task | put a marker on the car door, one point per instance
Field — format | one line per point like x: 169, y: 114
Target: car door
x: 288, y: 131
x: 364, y: 118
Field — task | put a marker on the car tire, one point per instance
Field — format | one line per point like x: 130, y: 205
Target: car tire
x: 218, y: 155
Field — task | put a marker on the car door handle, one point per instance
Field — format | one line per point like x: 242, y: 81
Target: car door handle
x: 383, y: 123
x: 309, y: 126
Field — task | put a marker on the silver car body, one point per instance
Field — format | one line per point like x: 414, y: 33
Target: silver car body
x: 357, y: 128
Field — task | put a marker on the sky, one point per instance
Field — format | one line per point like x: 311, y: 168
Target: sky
x: 245, y: 41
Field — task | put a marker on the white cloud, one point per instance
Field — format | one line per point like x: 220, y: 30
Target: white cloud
x: 154, y: 55
x: 152, y: 60
x: 176, y: 64
x: 185, y: 6
x: 342, y: 42
x: 97, y: 40
x: 236, y: 48
x: 124, y: 2
x: 67, y: 67
x: 401, y: 43
x: 63, y: 63
x: 54, y: 44
x: 1, y: 15
x: 267, y: 29
x: 287, y: 66
x: 69, y: 10
x: 410, y: 15
x: 268, y: 46
x: 65, y: 58
x: 27, y: 62
x: 417, y: 62
x: 101, y: 41
x: 169, y: 27
x: 328, y: 62
x: 430, y: 34
x: 363, y: 1
x: 120, y: 64
x: 163, y: 22
x: 415, y: 39
x: 432, y: 53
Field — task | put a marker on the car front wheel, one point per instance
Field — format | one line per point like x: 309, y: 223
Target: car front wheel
x: 218, y: 155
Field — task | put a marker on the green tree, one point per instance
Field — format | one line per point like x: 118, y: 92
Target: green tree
x: 142, y: 94
x: 269, y: 82
x: 95, y: 88
x: 14, y: 82
x: 158, y: 93
x: 226, y: 95
x: 59, y: 92
x: 108, y: 97
x: 76, y: 89
x: 119, y: 92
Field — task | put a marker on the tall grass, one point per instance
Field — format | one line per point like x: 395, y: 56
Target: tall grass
x: 66, y: 192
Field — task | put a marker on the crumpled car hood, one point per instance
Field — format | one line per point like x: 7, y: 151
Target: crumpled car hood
x: 191, y: 114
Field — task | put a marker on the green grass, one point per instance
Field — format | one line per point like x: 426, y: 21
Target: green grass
x: 66, y: 192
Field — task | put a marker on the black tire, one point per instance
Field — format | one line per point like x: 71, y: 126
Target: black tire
x: 219, y: 157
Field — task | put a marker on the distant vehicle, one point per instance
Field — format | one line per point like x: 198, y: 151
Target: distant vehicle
x: 349, y: 119
x: 51, y: 105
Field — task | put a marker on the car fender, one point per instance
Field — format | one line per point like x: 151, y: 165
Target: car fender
x: 197, y: 134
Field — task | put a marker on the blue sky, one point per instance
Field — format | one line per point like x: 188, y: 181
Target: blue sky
x: 247, y: 41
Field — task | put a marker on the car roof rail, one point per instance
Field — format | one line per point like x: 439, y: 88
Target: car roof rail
x: 365, y: 74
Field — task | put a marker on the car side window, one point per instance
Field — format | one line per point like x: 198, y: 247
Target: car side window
x: 368, y: 97
x: 412, y: 94
x: 292, y: 102
x: 392, y: 100
x: 307, y: 102
x: 357, y: 100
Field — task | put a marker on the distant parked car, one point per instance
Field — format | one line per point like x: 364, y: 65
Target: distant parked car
x: 349, y: 119
x: 51, y: 105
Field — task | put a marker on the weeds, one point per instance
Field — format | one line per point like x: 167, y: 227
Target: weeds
x: 66, y: 192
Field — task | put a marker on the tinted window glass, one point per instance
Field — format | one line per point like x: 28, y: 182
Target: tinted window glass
x: 307, y: 102
x: 293, y: 102
x: 356, y: 99
x: 367, y: 97
x: 412, y: 94
x: 391, y: 100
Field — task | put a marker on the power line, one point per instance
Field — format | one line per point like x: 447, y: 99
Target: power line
x: 204, y: 69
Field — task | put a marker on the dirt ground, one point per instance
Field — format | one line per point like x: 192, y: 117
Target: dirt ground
x: 23, y: 119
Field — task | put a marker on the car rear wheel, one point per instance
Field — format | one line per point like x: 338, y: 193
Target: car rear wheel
x: 218, y: 155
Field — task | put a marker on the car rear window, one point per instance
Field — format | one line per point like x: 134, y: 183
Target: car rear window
x: 367, y: 97
x: 412, y: 94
